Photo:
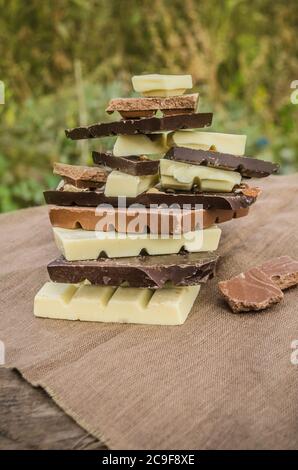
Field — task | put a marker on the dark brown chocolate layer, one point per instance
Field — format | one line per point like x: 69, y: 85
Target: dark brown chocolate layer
x: 134, y: 165
x: 247, y: 166
x: 141, y: 126
x: 231, y: 201
x: 142, y: 271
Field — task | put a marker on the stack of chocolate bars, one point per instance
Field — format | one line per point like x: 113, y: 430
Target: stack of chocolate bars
x: 138, y: 230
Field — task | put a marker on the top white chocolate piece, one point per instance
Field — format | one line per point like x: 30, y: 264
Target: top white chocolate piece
x: 161, y: 85
x: 200, y: 140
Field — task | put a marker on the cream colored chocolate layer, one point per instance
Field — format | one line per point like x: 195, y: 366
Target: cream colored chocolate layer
x: 184, y: 176
x: 141, y: 144
x: 166, y: 306
x: 139, y: 220
x: 123, y: 184
x: 226, y: 143
x: 84, y: 244
x: 161, y: 85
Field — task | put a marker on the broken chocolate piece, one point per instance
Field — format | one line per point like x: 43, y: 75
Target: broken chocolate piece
x: 144, y: 107
x: 252, y: 290
x: 139, y: 220
x: 134, y: 165
x: 246, y: 166
x: 230, y: 201
x: 142, y: 271
x: 141, y: 126
x: 81, y: 176
x: 283, y: 271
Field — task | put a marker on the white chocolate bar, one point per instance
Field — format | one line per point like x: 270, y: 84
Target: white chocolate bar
x: 161, y: 85
x: 166, y: 306
x: 184, y: 176
x: 123, y: 184
x: 141, y: 144
x: 81, y: 244
x: 225, y: 143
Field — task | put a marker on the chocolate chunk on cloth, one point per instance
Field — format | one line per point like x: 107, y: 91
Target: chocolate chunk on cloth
x: 246, y: 166
x: 260, y: 287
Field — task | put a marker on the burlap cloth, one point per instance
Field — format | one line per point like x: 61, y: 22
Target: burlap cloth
x: 220, y: 381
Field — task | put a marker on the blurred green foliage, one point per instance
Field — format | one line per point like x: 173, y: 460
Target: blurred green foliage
x: 62, y: 60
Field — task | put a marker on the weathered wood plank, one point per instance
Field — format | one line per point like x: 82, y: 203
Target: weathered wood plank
x: 29, y: 419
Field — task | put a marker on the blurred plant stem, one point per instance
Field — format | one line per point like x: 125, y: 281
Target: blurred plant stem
x: 83, y: 114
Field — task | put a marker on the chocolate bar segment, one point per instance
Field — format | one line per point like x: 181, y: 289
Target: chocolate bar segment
x: 134, y: 165
x: 141, y: 126
x: 246, y: 166
x: 283, y: 271
x: 260, y: 287
x: 252, y: 290
x: 143, y: 271
x: 81, y: 176
x: 240, y: 198
x: 139, y: 220
x: 144, y: 107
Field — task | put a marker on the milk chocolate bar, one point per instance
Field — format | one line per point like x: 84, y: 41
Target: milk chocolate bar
x: 133, y: 165
x: 246, y: 166
x: 140, y: 220
x: 144, y: 271
x: 147, y: 107
x: 167, y: 306
x: 81, y: 176
x: 141, y: 126
x: 260, y: 287
x: 242, y: 197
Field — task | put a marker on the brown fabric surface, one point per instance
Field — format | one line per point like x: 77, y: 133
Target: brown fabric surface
x: 220, y: 381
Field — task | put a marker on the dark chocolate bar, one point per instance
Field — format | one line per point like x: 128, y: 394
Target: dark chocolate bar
x: 142, y: 271
x: 141, y: 126
x: 239, y: 198
x: 247, y: 166
x: 134, y: 165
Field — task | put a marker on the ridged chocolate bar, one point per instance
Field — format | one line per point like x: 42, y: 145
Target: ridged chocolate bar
x: 150, y: 220
x: 240, y: 198
x: 247, y: 166
x: 141, y: 126
x: 134, y: 165
x: 142, y: 271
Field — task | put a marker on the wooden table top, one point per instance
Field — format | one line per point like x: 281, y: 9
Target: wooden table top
x: 29, y: 419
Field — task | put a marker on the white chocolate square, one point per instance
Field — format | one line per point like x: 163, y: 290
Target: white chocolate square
x: 200, y: 140
x: 184, y: 176
x: 140, y: 144
x: 161, y: 85
x: 123, y: 184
